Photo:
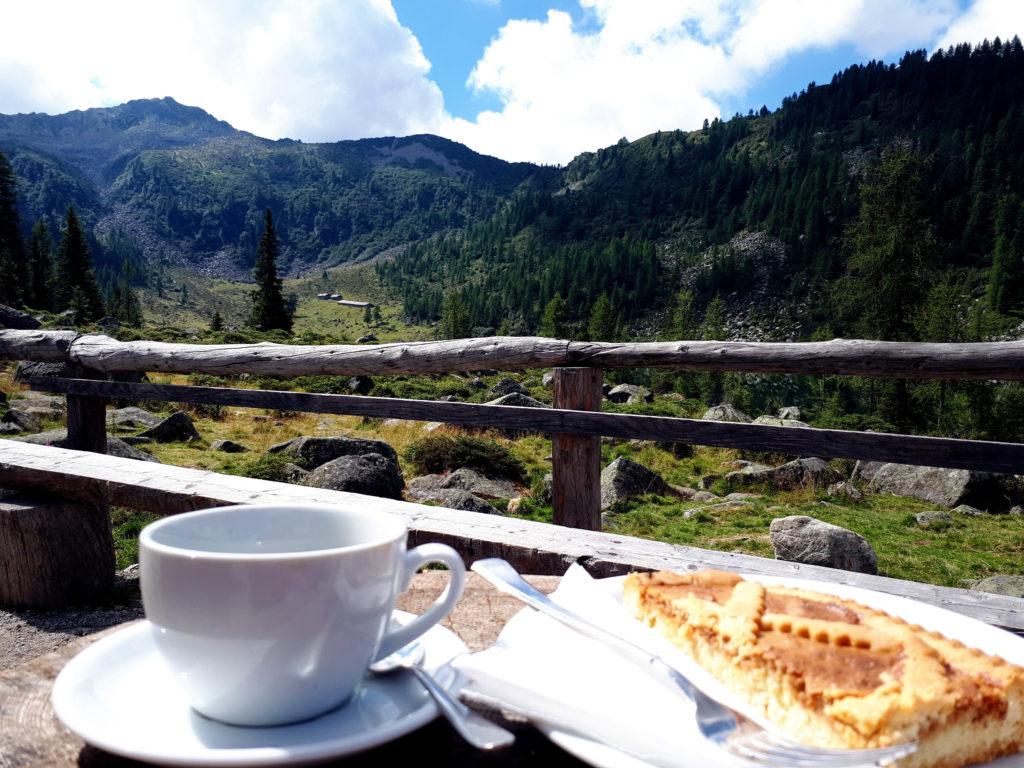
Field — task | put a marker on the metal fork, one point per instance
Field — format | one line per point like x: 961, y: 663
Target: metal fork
x: 722, y: 726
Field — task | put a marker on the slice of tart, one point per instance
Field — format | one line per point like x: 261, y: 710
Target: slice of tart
x: 833, y: 673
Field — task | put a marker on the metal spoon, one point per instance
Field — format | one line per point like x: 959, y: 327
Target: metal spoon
x: 474, y: 728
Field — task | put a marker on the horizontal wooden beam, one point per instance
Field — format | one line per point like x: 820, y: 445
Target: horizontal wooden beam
x: 532, y: 547
x: 794, y: 441
x: 840, y: 357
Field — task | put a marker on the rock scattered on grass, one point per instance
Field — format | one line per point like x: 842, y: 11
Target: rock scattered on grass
x: 227, y: 446
x: 933, y: 519
x: 176, y: 428
x: 726, y: 412
x: 803, y: 539
x: 370, y: 473
x: 623, y: 479
x: 1001, y: 584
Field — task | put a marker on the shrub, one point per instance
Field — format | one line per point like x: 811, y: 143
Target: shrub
x: 438, y: 453
x: 269, y: 466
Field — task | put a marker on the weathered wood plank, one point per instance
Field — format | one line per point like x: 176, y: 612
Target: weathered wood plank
x: 87, y: 423
x: 42, y: 346
x: 531, y: 546
x: 826, y: 443
x: 841, y: 357
x: 507, y: 353
x: 576, y: 459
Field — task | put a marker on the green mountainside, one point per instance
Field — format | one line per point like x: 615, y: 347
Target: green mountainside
x: 762, y: 212
x: 190, y: 189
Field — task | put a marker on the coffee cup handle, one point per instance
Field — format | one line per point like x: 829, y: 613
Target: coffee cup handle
x: 414, y: 560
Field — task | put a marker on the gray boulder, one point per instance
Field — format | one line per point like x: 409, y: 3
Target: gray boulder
x: 946, y: 487
x: 27, y: 369
x: 23, y: 420
x: 293, y: 473
x: 725, y: 412
x: 477, y: 383
x: 845, y: 490
x: 790, y: 412
x: 1010, y: 585
x: 630, y: 393
x: 548, y: 379
x: 506, y: 387
x: 132, y: 418
x: 775, y: 421
x: 801, y: 473
x: 426, y: 486
x: 968, y: 511
x: 935, y: 519
x: 865, y: 471
x: 136, y: 440
x: 546, y: 493
x: 624, y: 479
x: 9, y: 429
x: 518, y: 398
x: 456, y: 498
x: 367, y: 338
x: 176, y: 428
x: 311, y: 452
x: 369, y: 473
x: 802, y: 539
x: 17, y: 320
x: 227, y: 446
x: 115, y: 447
x: 360, y: 385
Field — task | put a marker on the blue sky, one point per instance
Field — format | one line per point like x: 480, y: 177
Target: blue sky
x: 537, y: 80
x: 454, y: 34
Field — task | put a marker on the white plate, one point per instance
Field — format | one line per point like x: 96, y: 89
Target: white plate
x: 971, y: 632
x: 119, y: 696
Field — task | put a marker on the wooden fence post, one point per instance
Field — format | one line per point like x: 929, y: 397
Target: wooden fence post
x: 87, y: 419
x: 576, y: 459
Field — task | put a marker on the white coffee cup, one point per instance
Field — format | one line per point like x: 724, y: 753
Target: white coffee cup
x: 270, y: 614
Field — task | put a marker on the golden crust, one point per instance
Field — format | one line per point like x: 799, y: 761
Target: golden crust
x: 833, y: 672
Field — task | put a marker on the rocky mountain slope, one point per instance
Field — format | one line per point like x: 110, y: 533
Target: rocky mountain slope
x: 191, y: 188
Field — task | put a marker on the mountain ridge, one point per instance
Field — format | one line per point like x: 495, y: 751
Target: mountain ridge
x: 191, y: 188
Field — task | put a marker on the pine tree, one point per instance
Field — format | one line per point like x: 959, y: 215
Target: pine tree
x: 12, y: 258
x: 554, y: 321
x: 216, y: 322
x: 269, y: 309
x: 368, y: 314
x: 123, y: 304
x: 183, y: 298
x: 76, y: 287
x: 455, y: 320
x: 892, y: 250
x: 40, y: 267
x: 602, y: 325
x: 681, y: 323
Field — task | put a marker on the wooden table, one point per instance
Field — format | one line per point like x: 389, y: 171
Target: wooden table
x: 31, y: 736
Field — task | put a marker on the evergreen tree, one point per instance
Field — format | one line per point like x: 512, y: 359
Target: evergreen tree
x: 712, y: 383
x: 40, y: 267
x: 183, y: 298
x: 455, y: 320
x: 1006, y: 277
x: 12, y: 258
x: 123, y: 303
x: 216, y: 322
x: 681, y: 324
x: 554, y: 321
x: 76, y: 287
x: 892, y: 250
x: 270, y: 311
x: 602, y: 325
x: 368, y: 314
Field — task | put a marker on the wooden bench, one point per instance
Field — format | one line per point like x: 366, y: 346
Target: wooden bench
x: 532, y: 547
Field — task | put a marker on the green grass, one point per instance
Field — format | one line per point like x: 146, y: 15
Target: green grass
x: 970, y: 548
x: 127, y: 523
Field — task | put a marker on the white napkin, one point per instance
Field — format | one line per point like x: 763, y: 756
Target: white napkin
x: 581, y: 685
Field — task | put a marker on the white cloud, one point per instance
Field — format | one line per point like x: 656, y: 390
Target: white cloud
x: 334, y: 69
x: 986, y: 19
x: 310, y: 69
x: 660, y: 64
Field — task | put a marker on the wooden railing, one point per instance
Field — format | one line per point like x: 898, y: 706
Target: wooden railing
x: 575, y: 422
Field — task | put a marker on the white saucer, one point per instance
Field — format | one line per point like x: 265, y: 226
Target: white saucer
x: 119, y: 696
